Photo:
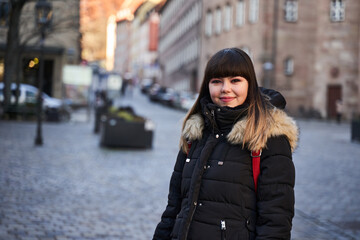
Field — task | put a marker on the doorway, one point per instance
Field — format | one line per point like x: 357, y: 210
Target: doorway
x: 333, y: 94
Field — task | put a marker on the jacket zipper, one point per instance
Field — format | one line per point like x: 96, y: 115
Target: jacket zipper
x: 223, y: 229
x: 192, y: 212
x: 191, y: 217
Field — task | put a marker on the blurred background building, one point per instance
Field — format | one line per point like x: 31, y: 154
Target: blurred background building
x: 308, y: 50
x: 62, y: 45
x: 137, y: 42
x: 94, y: 19
x: 179, y: 44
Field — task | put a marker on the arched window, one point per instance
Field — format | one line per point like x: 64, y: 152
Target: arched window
x: 254, y: 11
x: 208, y: 23
x: 218, y: 20
x: 240, y: 13
x: 228, y: 12
x: 289, y: 66
x: 291, y: 10
x: 337, y: 10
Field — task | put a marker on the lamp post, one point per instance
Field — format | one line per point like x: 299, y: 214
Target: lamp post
x: 43, y: 10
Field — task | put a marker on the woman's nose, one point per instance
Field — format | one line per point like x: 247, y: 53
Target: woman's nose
x: 226, y: 87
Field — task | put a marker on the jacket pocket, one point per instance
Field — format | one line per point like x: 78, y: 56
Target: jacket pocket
x: 232, y: 229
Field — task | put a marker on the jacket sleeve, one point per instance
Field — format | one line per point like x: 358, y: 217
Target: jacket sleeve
x: 275, y: 193
x: 164, y: 228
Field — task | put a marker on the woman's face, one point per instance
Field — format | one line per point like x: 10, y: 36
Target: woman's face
x: 228, y: 91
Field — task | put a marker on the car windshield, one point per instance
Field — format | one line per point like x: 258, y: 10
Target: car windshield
x: 45, y: 95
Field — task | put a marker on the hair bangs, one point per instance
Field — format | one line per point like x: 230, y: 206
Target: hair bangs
x: 227, y: 63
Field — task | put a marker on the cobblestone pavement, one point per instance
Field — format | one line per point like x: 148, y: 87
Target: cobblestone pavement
x: 71, y: 188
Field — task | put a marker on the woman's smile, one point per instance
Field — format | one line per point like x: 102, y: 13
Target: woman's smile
x: 227, y: 99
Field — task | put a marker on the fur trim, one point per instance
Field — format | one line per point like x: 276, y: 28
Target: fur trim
x: 193, y: 128
x: 281, y: 124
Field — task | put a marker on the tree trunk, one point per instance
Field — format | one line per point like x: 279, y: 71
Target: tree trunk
x: 12, y: 56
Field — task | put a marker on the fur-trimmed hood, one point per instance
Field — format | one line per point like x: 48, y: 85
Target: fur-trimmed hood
x: 280, y: 124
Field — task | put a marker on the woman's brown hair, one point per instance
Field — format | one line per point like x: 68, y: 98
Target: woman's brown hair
x: 231, y: 62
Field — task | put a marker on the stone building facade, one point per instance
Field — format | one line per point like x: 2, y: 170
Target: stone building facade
x: 136, y: 49
x: 337, y: 57
x: 62, y: 45
x: 308, y: 50
x: 179, y: 43
x: 123, y: 46
x: 143, y: 52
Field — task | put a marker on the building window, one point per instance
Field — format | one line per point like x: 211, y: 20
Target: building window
x: 291, y: 10
x: 208, y: 23
x: 337, y: 10
x: 240, y: 13
x: 289, y: 66
x: 254, y: 11
x: 218, y: 21
x: 4, y: 12
x: 228, y: 17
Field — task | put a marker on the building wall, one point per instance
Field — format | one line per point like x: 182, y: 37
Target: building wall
x: 325, y: 53
x: 337, y: 57
x: 140, y: 54
x: 249, y: 36
x: 136, y: 48
x: 179, y: 44
x: 123, y: 46
x: 358, y: 75
x: 296, y: 40
x: 64, y: 31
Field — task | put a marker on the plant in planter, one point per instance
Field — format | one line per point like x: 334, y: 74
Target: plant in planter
x: 121, y: 127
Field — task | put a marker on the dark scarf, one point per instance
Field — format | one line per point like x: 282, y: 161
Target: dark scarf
x: 221, y: 119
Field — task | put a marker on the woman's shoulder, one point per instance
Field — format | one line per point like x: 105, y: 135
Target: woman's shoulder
x: 278, y: 124
x: 282, y: 124
x: 193, y: 127
x: 277, y: 145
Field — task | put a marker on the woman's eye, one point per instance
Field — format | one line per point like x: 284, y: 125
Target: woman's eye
x: 215, y: 81
x: 235, y: 80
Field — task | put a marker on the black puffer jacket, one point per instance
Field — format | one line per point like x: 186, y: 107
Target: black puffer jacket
x: 212, y: 193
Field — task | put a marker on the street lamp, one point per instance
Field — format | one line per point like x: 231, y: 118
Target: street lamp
x: 43, y: 10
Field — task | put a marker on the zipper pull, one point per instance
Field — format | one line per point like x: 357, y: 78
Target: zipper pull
x: 223, y: 225
x: 212, y: 113
x: 223, y: 230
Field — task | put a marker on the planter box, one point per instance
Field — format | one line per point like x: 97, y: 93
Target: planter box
x: 117, y: 132
x: 355, y: 130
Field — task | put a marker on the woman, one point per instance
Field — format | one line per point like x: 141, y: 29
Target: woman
x: 212, y: 189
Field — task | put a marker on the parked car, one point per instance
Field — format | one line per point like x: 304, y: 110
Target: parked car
x: 155, y: 92
x: 168, y: 97
x: 189, y: 102
x: 146, y: 85
x: 185, y: 100
x: 55, y: 109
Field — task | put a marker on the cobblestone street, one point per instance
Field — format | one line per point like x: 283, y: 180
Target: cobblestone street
x: 71, y: 188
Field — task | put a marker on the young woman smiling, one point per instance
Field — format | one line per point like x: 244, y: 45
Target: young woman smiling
x: 228, y: 91
x: 212, y: 189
